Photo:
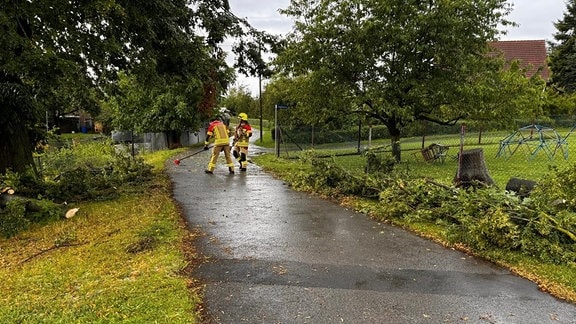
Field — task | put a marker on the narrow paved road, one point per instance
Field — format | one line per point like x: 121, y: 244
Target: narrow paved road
x: 279, y: 256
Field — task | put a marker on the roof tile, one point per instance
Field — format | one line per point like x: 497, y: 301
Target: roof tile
x: 530, y: 53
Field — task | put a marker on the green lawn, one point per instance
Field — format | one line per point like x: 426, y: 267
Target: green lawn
x: 121, y: 260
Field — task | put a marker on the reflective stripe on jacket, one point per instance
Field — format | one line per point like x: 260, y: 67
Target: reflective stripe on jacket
x: 219, y: 131
x: 242, y: 135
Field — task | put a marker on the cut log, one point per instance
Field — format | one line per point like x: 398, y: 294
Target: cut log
x: 4, y: 199
x: 30, y: 204
x: 472, y: 170
x: 521, y: 187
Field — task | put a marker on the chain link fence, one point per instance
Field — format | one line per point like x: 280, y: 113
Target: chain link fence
x: 525, y: 146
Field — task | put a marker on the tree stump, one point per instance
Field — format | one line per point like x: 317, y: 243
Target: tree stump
x: 472, y: 171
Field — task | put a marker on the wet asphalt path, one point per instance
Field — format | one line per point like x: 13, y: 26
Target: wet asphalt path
x: 279, y: 256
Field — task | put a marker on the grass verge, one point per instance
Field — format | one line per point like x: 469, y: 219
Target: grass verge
x: 114, y: 261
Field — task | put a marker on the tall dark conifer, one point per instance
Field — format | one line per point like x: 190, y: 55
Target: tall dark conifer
x: 563, y: 51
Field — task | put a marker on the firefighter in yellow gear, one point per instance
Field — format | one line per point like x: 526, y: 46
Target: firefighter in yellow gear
x: 242, y: 135
x: 219, y: 131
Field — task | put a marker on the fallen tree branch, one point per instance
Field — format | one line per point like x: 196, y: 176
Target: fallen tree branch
x: 106, y: 235
x: 432, y: 182
x: 53, y: 247
x: 57, y: 246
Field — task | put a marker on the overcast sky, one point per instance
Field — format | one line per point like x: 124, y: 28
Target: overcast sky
x: 535, y: 18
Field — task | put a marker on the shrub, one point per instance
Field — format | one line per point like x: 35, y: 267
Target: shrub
x: 13, y: 218
x: 90, y: 171
x: 70, y: 173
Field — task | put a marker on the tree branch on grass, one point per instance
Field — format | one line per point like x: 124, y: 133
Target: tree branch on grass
x: 66, y: 244
x: 53, y: 247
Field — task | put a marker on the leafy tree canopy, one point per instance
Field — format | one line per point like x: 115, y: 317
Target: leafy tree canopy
x: 397, y: 61
x: 66, y: 55
x: 239, y: 99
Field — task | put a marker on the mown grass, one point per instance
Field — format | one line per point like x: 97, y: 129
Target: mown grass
x: 114, y: 261
x: 501, y: 168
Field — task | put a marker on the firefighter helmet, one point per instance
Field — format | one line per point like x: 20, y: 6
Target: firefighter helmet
x: 222, y: 114
x: 243, y: 116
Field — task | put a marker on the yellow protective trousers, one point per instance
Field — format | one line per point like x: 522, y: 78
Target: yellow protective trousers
x: 216, y: 153
x: 242, y: 156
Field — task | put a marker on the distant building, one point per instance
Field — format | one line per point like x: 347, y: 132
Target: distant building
x: 531, y: 54
x: 75, y: 122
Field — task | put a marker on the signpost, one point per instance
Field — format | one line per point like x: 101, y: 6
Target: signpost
x: 276, y: 128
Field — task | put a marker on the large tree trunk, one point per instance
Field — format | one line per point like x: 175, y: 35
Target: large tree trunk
x: 15, y: 149
x: 396, y: 149
x: 173, y: 139
x: 472, y: 170
x: 17, y: 117
x: 395, y: 141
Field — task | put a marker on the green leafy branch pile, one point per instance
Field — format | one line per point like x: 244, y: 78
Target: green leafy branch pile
x: 542, y: 226
x: 70, y: 174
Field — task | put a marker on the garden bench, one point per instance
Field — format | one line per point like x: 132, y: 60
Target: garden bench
x: 434, y: 152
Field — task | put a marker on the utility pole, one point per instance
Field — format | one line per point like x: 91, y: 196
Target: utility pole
x: 260, y: 90
x: 260, y: 101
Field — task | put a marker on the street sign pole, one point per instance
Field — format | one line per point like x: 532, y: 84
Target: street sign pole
x: 276, y: 146
x: 276, y: 128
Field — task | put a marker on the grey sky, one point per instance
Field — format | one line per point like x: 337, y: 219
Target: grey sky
x: 536, y: 20
x: 263, y: 14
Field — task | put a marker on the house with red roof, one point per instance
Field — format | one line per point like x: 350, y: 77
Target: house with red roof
x: 531, y: 54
